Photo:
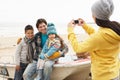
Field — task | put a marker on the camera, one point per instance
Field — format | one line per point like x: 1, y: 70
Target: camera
x: 76, y: 21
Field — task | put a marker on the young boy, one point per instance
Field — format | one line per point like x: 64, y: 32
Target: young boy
x: 24, y: 52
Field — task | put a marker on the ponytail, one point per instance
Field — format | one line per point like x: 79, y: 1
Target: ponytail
x: 115, y: 26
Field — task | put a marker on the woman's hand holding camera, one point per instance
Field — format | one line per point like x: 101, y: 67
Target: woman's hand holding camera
x: 73, y: 23
x: 81, y: 22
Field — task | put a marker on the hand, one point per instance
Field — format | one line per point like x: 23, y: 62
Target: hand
x: 42, y: 56
x: 17, y: 67
x: 81, y: 22
x: 71, y: 24
x: 19, y: 40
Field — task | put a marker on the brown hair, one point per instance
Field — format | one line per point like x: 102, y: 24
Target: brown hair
x: 115, y: 26
x: 28, y: 27
x: 39, y: 21
x: 61, y: 41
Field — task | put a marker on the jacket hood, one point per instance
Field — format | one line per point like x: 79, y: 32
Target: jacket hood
x: 110, y: 35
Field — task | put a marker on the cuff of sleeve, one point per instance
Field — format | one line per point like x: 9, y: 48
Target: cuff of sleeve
x: 46, y: 56
x: 70, y: 30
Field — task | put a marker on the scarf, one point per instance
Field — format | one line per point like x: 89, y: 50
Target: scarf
x: 30, y: 49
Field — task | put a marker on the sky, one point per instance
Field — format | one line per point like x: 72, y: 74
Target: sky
x: 59, y: 11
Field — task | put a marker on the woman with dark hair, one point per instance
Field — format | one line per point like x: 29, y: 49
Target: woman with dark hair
x: 103, y: 45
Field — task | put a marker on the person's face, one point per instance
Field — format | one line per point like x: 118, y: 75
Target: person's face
x: 29, y: 34
x: 42, y: 28
x: 51, y: 36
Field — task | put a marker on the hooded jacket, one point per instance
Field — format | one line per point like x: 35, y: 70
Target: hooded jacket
x: 104, y: 48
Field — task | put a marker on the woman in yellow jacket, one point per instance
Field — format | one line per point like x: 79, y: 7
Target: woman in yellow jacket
x: 103, y: 45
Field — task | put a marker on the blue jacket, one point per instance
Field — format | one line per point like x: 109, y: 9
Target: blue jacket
x: 39, y: 49
x: 50, y: 47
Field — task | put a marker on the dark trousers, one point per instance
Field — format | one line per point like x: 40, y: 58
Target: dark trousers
x: 19, y: 74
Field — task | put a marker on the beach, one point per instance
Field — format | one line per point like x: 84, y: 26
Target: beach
x: 8, y: 45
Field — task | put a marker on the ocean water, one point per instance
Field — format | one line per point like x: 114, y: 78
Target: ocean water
x: 17, y: 29
x: 11, y: 29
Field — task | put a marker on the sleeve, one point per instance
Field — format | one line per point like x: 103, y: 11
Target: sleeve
x: 41, y: 55
x: 88, y: 29
x: 55, y: 47
x: 37, y: 40
x: 17, y: 53
x: 85, y: 46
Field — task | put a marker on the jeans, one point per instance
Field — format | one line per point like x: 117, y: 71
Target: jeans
x: 30, y: 71
x: 44, y: 74
x: 19, y: 74
x: 40, y: 74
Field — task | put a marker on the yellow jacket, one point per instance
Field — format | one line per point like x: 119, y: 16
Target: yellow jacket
x: 104, y: 48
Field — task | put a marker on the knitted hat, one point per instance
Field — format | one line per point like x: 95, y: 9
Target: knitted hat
x: 51, y: 29
x: 103, y: 9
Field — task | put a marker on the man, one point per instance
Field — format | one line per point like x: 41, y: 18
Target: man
x: 40, y: 39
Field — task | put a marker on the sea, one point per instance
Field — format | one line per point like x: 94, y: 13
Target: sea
x: 17, y: 29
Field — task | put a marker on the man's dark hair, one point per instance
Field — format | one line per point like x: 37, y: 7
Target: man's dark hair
x: 39, y: 21
x: 28, y: 27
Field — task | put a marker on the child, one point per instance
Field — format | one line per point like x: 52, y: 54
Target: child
x: 24, y: 52
x: 49, y: 52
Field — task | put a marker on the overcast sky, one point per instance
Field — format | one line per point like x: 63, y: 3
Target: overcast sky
x: 52, y: 10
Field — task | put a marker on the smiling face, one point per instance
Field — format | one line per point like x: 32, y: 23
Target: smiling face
x: 51, y: 36
x: 42, y: 28
x: 29, y: 34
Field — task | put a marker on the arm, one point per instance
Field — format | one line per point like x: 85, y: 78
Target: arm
x: 41, y: 55
x: 19, y: 40
x: 55, y: 47
x: 88, y: 29
x: 85, y: 46
x: 80, y: 47
x: 17, y: 56
x: 37, y: 39
x: 17, y: 53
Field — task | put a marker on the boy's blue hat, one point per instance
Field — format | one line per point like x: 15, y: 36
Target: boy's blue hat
x: 51, y: 29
